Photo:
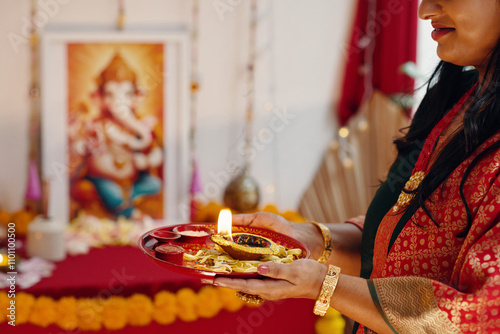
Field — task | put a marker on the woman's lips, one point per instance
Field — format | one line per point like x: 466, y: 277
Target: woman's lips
x: 440, y: 32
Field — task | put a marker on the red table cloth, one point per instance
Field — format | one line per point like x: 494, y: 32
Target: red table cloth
x: 123, y: 271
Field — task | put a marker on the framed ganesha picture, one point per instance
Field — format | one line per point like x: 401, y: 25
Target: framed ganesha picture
x: 114, y: 133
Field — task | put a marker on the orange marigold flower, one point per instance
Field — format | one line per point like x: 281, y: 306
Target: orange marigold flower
x: 229, y: 300
x: 186, y: 300
x: 293, y: 216
x: 4, y: 217
x: 271, y: 208
x: 140, y: 310
x: 89, y: 314
x: 24, y: 305
x: 114, y: 313
x: 44, y: 312
x: 208, y: 304
x: 4, y: 305
x: 66, y: 313
x: 22, y: 219
x: 165, y: 307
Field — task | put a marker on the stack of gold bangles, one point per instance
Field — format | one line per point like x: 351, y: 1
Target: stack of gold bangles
x: 332, y: 276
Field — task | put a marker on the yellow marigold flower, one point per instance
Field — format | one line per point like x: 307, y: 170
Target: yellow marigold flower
x: 208, y: 304
x: 89, y: 314
x: 66, y: 313
x: 44, y: 312
x: 22, y: 219
x: 165, y: 307
x: 114, y: 313
x: 271, y: 208
x: 229, y: 300
x: 140, y: 310
x: 211, y: 211
x: 24, y: 305
x: 4, y: 305
x: 4, y: 217
x: 293, y: 216
x: 331, y: 323
x: 186, y: 300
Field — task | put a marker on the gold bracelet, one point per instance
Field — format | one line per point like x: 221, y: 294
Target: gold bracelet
x: 327, y: 237
x: 327, y: 289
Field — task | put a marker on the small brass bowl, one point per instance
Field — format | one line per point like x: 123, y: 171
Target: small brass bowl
x: 246, y: 246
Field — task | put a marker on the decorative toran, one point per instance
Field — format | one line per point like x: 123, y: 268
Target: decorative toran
x: 242, y: 192
x: 250, y: 109
x: 195, y: 187
x: 33, y: 193
x: 120, y: 22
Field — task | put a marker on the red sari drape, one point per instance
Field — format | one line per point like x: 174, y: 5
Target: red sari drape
x: 431, y: 280
x: 394, y: 29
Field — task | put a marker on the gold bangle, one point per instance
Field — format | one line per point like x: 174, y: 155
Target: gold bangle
x: 327, y: 289
x: 327, y: 237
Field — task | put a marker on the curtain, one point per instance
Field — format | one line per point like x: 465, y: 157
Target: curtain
x: 383, y: 38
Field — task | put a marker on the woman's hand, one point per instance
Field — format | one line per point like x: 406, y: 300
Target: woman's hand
x: 299, y: 279
x: 306, y: 233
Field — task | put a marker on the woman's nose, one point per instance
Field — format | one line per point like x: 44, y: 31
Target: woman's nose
x: 429, y: 9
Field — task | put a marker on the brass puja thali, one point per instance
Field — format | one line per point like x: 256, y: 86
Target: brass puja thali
x: 207, y: 253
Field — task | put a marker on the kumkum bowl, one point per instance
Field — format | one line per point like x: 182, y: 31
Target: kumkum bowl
x: 171, y: 253
x: 246, y: 246
x: 165, y: 236
x: 192, y: 233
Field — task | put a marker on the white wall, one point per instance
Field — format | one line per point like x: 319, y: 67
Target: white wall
x: 427, y: 58
x: 303, y: 62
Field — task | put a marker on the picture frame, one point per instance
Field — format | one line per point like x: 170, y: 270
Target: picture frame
x: 58, y: 163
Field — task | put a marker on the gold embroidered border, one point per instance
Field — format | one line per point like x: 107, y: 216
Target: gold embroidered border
x: 409, y: 306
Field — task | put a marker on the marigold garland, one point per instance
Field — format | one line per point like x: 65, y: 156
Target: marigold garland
x: 67, y: 317
x: 186, y: 301
x: 116, y: 312
x: 165, y: 308
x: 140, y: 310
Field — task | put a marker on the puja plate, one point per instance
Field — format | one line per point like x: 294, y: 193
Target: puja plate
x: 147, y: 244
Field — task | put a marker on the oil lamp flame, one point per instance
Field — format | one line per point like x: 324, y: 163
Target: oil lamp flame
x: 224, y: 224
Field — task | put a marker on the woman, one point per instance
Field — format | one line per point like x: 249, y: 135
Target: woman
x: 430, y: 244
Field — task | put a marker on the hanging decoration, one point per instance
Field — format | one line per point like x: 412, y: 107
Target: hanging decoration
x: 270, y: 104
x: 242, y: 193
x: 33, y: 195
x: 196, y: 185
x: 120, y: 22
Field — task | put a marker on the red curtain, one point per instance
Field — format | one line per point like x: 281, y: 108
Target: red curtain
x: 392, y: 26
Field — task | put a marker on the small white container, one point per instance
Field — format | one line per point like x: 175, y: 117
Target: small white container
x: 45, y: 239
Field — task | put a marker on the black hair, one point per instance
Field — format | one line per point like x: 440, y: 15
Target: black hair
x: 481, y: 121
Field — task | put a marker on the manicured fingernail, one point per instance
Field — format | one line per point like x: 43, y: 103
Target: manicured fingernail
x: 207, y: 281
x: 263, y: 269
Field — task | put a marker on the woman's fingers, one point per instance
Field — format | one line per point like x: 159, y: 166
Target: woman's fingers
x: 266, y: 220
x: 299, y: 279
x: 269, y: 289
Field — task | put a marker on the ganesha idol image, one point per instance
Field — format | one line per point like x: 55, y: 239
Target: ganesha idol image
x: 118, y: 156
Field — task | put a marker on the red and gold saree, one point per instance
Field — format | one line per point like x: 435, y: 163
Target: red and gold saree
x: 429, y: 280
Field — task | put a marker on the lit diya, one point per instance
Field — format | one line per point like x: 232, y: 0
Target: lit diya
x: 241, y: 246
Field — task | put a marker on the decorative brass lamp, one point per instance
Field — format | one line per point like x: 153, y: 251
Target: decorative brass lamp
x: 242, y: 193
x: 241, y: 246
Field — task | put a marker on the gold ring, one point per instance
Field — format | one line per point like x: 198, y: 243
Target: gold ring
x: 249, y: 298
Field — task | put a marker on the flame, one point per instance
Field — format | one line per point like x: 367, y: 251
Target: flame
x: 224, y: 223
x: 3, y: 260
